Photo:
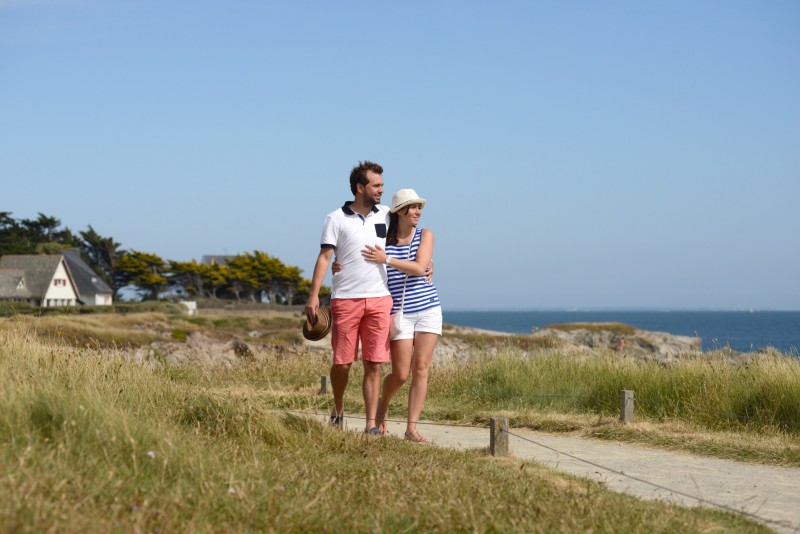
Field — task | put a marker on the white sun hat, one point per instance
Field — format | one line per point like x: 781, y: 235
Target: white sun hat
x: 405, y: 197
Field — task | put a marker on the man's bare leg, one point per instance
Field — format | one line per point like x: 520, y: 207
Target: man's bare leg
x: 340, y: 374
x: 372, y: 390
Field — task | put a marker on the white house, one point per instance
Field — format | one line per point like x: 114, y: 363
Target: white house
x: 92, y: 289
x: 39, y: 280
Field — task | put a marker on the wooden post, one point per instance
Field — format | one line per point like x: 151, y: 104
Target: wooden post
x: 626, y: 406
x: 323, y: 385
x: 498, y: 436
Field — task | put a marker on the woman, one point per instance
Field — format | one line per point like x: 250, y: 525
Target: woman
x: 408, y: 253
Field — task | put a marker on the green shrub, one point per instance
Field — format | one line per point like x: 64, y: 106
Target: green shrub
x: 178, y: 334
x: 8, y: 309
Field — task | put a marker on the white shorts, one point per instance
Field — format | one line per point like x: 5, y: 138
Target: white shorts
x: 424, y: 321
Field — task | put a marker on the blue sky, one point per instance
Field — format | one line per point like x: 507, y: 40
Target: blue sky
x: 573, y: 154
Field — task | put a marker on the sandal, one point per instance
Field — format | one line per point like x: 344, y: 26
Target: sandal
x: 336, y: 420
x: 384, y: 428
x: 415, y: 436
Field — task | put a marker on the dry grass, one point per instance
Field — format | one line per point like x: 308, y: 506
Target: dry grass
x: 91, y: 442
x: 704, y: 404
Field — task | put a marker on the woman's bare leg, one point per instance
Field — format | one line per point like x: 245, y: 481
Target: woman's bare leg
x: 424, y: 345
x: 401, y: 352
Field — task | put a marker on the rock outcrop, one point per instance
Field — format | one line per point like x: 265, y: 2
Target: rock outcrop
x: 624, y: 338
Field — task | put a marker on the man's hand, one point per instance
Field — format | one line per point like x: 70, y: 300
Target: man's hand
x: 320, y: 268
x: 312, y: 305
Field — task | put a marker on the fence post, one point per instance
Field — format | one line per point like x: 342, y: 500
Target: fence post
x: 323, y: 385
x: 498, y: 436
x: 626, y: 406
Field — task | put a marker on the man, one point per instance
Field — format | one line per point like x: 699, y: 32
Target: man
x: 360, y: 299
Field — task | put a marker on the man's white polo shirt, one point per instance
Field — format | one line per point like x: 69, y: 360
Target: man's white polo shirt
x: 348, y: 233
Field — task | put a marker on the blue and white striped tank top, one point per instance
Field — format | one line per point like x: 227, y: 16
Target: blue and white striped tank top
x: 419, y: 294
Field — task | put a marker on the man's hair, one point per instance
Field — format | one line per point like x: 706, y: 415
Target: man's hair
x: 359, y: 173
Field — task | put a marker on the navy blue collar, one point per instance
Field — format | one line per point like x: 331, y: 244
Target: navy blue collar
x: 346, y: 208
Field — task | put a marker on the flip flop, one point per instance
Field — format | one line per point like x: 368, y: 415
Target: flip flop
x: 416, y: 437
x: 336, y: 420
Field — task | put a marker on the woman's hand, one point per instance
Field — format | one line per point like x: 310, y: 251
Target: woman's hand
x: 336, y: 266
x: 374, y: 254
x: 429, y: 273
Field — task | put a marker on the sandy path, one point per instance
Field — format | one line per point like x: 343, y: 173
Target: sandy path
x: 769, y: 494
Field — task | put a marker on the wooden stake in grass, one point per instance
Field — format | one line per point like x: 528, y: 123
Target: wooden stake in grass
x: 626, y: 406
x: 498, y: 437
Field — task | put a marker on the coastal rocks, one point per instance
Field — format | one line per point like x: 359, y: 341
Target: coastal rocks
x: 623, y: 338
x: 240, y: 349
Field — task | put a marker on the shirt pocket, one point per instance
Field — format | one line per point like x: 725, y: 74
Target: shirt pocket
x: 380, y: 230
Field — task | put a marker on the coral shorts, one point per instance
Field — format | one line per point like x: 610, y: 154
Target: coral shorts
x: 364, y: 319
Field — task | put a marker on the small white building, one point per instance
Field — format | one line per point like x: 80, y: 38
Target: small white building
x: 39, y: 280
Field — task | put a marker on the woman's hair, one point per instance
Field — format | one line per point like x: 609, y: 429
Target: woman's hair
x: 391, y: 234
x: 359, y: 173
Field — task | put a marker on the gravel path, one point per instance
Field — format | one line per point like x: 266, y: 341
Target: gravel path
x: 767, y: 494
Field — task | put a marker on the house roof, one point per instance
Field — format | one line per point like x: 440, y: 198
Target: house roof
x: 10, y: 284
x: 37, y: 268
x: 88, y: 282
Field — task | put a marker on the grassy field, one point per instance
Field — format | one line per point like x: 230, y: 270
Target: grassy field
x: 94, y: 442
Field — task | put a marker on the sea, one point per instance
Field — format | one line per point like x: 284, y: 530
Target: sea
x: 743, y: 331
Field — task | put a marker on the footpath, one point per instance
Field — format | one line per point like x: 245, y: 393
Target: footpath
x: 769, y: 495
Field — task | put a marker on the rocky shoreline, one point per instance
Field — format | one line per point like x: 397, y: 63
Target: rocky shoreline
x: 624, y: 338
x: 594, y: 338
x: 457, y: 344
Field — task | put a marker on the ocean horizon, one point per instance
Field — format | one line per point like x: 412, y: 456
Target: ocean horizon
x: 742, y: 330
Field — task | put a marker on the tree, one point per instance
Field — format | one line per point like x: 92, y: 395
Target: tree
x: 289, y: 281
x: 44, y: 235
x: 241, y: 276
x: 11, y: 240
x: 42, y: 228
x: 215, y: 277
x: 265, y: 270
x: 187, y: 276
x: 33, y: 236
x: 300, y: 296
x: 278, y: 280
x: 102, y: 255
x: 144, y: 270
x: 7, y: 222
